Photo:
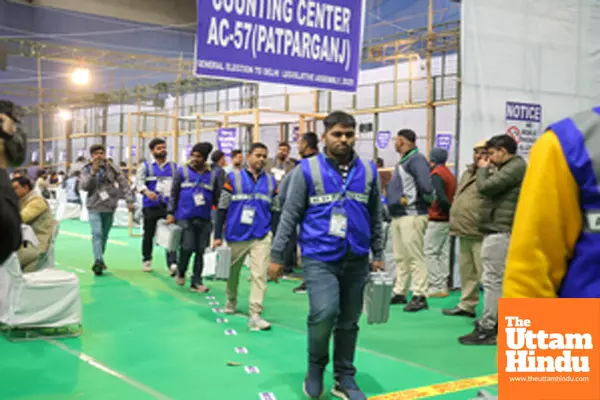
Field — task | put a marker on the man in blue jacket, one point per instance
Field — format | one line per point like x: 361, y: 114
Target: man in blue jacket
x: 194, y: 193
x: 246, y: 203
x: 336, y: 200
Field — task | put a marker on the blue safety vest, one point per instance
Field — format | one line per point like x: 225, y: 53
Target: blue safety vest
x: 257, y: 197
x: 579, y: 137
x: 154, y: 174
x: 195, y: 186
x: 325, y: 188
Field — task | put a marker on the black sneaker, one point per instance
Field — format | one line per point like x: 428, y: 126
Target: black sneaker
x: 480, y: 336
x: 417, y: 303
x: 98, y: 268
x: 300, y: 289
x: 347, y: 389
x: 399, y: 299
x: 458, y: 312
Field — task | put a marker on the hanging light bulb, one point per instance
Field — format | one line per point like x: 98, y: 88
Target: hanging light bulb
x: 80, y: 76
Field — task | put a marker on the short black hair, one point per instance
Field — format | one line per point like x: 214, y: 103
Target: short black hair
x: 155, y: 142
x: 216, y: 156
x: 96, y: 147
x: 312, y: 140
x: 503, y: 141
x: 284, y: 144
x: 339, y: 118
x: 257, y: 145
x: 408, y: 134
x: 203, y: 148
x: 379, y: 162
x: 235, y: 152
x: 23, y: 181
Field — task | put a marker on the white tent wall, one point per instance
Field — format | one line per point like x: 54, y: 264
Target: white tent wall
x: 532, y: 51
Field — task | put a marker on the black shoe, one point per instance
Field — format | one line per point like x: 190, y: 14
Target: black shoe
x: 399, y: 299
x: 313, y: 383
x: 417, y: 303
x: 300, y: 289
x: 480, y: 336
x: 98, y: 268
x: 458, y: 312
x: 347, y: 389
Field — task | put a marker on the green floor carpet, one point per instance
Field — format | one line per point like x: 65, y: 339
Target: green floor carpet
x: 144, y: 337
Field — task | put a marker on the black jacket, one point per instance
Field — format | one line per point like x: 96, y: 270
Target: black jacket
x: 10, y: 218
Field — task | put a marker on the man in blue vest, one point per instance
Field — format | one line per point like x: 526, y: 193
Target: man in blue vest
x: 246, y: 203
x: 336, y: 200
x: 154, y: 181
x: 195, y: 191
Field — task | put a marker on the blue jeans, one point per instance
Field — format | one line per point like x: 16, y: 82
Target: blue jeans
x: 335, y: 293
x: 101, y: 223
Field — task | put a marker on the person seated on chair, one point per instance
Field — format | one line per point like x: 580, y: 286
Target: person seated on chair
x: 36, y: 213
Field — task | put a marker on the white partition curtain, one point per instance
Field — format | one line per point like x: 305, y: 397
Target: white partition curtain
x: 543, y: 52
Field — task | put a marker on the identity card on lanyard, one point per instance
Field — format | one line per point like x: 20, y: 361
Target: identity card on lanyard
x: 199, y: 199
x: 338, y: 225
x: 248, y: 212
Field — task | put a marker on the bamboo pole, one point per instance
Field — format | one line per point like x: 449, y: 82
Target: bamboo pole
x: 198, y: 121
x: 256, y: 132
x: 40, y: 113
x: 176, y: 111
x: 430, y: 93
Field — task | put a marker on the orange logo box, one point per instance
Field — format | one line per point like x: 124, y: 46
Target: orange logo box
x: 549, y: 349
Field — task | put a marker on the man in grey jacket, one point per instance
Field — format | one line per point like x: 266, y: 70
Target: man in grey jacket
x: 410, y: 193
x: 105, y: 185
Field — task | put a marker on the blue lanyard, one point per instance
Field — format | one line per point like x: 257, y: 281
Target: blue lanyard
x: 198, y: 181
x: 343, y: 189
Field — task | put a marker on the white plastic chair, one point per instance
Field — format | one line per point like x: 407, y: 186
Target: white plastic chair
x: 48, y: 298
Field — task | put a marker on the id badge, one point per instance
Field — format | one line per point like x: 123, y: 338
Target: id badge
x: 164, y: 186
x: 339, y: 223
x: 103, y: 195
x: 248, y: 215
x: 199, y: 200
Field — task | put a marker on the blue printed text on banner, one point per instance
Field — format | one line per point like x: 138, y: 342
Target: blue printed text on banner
x: 383, y: 139
x: 443, y: 141
x: 313, y: 43
x: 227, y: 140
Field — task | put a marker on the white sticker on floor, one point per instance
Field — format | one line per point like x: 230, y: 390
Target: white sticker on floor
x: 214, y: 303
x: 217, y: 310
x: 252, y: 370
x: 210, y: 297
x: 230, y: 332
x: 241, y: 350
x: 266, y: 396
x: 222, y: 320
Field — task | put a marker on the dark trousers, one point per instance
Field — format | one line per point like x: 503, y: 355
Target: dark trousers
x: 151, y: 217
x: 335, y: 293
x: 195, y: 239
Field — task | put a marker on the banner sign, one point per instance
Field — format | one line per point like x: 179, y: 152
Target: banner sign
x: 62, y: 156
x: 524, y: 124
x: 313, y: 43
x: 111, y: 151
x: 227, y: 141
x: 35, y: 156
x: 49, y: 156
x: 295, y: 134
x: 383, y: 139
x: 443, y: 141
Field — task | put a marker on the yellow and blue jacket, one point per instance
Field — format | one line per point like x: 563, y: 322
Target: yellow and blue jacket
x: 555, y: 243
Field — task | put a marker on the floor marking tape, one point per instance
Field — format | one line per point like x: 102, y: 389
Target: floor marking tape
x: 102, y: 367
x: 363, y: 349
x: 440, y: 388
x: 89, y: 237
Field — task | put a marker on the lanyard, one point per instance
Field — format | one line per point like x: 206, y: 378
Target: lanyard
x: 199, y: 180
x: 344, y: 188
x: 408, y: 155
